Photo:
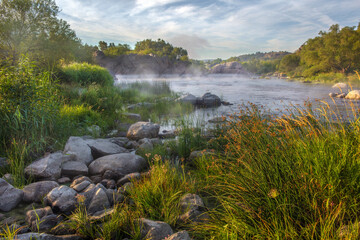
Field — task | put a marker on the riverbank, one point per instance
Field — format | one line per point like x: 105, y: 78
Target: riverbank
x: 254, y: 175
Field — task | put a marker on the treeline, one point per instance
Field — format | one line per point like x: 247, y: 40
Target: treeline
x: 145, y: 47
x: 32, y: 28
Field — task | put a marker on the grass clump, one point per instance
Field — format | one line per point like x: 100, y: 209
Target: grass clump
x: 86, y: 74
x: 294, y: 177
x: 157, y: 196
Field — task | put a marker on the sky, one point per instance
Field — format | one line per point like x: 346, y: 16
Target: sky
x: 208, y: 29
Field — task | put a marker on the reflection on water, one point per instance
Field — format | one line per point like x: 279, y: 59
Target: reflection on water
x: 274, y: 94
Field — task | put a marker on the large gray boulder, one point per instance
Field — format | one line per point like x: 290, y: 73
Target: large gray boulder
x: 192, y: 209
x: 79, y: 147
x: 102, y: 147
x: 42, y: 219
x: 35, y: 192
x: 44, y: 236
x: 154, y: 230
x: 49, y: 167
x: 142, y: 130
x: 10, y: 197
x: 62, y: 199
x: 210, y: 100
x: 354, y: 95
x: 74, y: 168
x: 342, y: 87
x: 123, y: 163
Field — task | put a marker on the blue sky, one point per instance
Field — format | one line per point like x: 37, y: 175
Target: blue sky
x: 208, y: 28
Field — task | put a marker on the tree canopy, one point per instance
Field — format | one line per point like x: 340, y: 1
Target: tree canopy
x: 31, y: 27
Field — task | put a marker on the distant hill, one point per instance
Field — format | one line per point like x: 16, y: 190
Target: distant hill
x: 259, y: 56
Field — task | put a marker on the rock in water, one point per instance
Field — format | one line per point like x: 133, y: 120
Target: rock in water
x: 142, y: 130
x: 210, y: 100
x: 354, y: 94
x: 10, y: 197
x: 123, y: 163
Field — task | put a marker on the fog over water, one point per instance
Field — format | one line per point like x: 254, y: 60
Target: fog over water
x: 274, y: 94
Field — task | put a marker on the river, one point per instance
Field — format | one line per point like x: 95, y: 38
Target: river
x: 274, y: 94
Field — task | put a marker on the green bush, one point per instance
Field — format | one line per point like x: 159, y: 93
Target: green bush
x: 29, y: 103
x: 86, y: 74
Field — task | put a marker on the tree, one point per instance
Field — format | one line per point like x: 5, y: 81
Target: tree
x: 31, y: 27
x: 103, y: 45
x: 289, y: 63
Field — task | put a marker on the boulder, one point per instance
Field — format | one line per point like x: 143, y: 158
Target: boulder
x: 74, y: 168
x: 10, y: 197
x: 333, y: 95
x: 49, y: 167
x: 103, y: 147
x: 210, y: 100
x: 145, y: 145
x: 343, y: 87
x: 79, y: 147
x: 154, y: 230
x: 99, y: 201
x: 35, y: 192
x: 142, y: 130
x: 182, y: 235
x: 354, y: 94
x: 42, y: 219
x: 123, y: 163
x: 165, y: 134
x: 62, y: 199
x: 128, y: 178
x: 192, y: 208
x: 36, y: 214
x: 341, y: 95
x: 80, y: 186
x: 64, y: 180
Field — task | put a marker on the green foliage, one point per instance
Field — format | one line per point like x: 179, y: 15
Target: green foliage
x: 261, y: 66
x: 113, y: 50
x: 160, y: 48
x: 31, y: 27
x: 29, y: 103
x: 86, y: 74
x: 289, y: 63
x: 295, y: 177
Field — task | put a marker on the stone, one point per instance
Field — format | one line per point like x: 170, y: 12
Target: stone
x: 154, y: 230
x: 125, y: 188
x: 96, y: 179
x: 48, y: 167
x: 145, y: 145
x: 343, y: 87
x: 210, y: 100
x: 74, y: 168
x: 128, y: 178
x: 98, y: 202
x: 103, y: 147
x: 111, y: 184
x: 36, y: 214
x: 64, y: 180
x: 78, y: 146
x: 166, y: 134
x: 62, y: 199
x: 354, y: 94
x: 182, y: 235
x: 10, y: 197
x: 45, y: 223
x: 123, y: 163
x: 341, y: 95
x: 108, y: 174
x: 199, y: 154
x: 35, y: 192
x: 142, y: 130
x: 81, y: 186
x: 9, y: 178
x: 79, y: 180
x: 192, y: 208
x: 333, y: 95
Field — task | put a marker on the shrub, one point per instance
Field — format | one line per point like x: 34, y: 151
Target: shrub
x: 86, y: 74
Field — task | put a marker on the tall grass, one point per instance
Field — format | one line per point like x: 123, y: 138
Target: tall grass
x: 86, y: 74
x: 294, y: 177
